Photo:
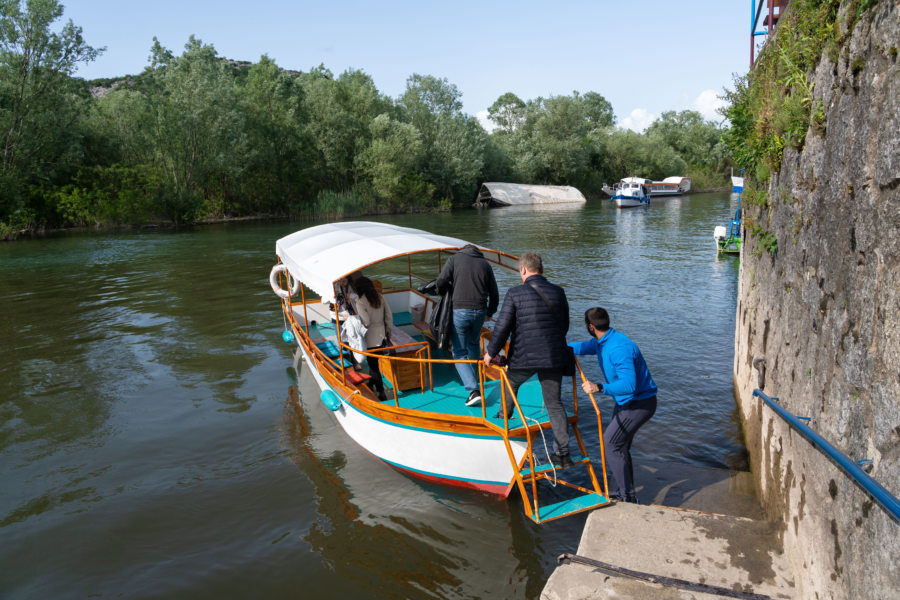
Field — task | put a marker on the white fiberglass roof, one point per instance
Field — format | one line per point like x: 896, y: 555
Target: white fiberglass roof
x: 515, y: 193
x: 318, y: 256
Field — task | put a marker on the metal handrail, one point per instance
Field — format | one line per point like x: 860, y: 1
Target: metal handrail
x: 882, y: 496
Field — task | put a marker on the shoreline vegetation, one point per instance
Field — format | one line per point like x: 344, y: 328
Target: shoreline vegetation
x: 197, y: 138
x: 225, y: 219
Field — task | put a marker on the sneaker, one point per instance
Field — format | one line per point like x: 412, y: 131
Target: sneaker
x: 474, y: 399
x: 564, y: 461
x: 619, y: 498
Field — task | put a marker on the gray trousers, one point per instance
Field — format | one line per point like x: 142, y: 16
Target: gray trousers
x: 551, y: 382
x: 625, y: 422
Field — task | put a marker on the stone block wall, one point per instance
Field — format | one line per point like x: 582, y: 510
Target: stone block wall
x: 823, y: 310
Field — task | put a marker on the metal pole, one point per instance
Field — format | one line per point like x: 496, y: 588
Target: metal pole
x: 874, y: 489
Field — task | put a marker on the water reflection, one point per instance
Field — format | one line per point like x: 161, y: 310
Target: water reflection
x: 416, y: 539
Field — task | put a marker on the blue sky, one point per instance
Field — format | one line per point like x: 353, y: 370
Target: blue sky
x: 644, y: 56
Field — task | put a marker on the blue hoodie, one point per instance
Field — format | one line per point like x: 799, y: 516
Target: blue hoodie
x: 626, y: 373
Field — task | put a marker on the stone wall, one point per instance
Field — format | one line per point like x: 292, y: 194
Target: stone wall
x: 824, y: 312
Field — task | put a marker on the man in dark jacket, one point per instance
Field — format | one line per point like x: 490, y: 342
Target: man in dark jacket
x: 474, y: 294
x: 535, y: 317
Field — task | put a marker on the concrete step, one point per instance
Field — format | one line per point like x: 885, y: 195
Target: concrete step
x: 736, y: 553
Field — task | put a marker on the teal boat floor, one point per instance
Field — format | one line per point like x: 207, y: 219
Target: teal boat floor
x: 449, y: 396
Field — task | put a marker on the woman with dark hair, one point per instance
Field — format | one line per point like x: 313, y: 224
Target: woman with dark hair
x: 376, y: 315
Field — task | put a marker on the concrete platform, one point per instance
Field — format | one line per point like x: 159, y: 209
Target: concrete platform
x: 692, y: 542
x: 717, y: 550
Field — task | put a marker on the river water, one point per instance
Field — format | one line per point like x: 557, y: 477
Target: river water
x: 157, y: 441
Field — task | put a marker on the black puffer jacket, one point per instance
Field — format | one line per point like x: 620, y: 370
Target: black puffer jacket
x: 537, y: 333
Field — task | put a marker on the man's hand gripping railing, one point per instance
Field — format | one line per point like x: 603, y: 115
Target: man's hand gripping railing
x: 599, y: 422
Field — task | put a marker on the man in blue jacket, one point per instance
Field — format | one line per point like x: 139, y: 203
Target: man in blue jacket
x: 629, y: 383
x: 535, y: 317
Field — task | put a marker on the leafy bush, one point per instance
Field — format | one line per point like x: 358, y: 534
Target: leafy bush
x: 772, y: 107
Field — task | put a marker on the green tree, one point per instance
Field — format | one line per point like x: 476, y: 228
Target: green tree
x: 557, y: 140
x: 277, y: 171
x: 392, y: 160
x: 598, y: 112
x: 453, y: 142
x: 199, y: 133
x: 340, y: 111
x: 507, y: 112
x: 633, y: 154
x: 694, y: 138
x: 39, y: 101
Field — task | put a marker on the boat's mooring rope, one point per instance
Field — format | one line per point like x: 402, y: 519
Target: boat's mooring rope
x: 546, y: 450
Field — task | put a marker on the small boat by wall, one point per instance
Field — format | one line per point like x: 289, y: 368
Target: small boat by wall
x: 516, y: 194
x: 629, y: 192
x: 670, y: 186
x: 728, y: 240
x: 424, y: 429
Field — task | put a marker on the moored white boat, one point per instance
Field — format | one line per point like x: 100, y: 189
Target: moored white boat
x: 630, y: 192
x: 670, y: 186
x: 728, y: 240
x: 425, y: 429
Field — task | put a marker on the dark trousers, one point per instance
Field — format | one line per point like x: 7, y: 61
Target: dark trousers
x: 375, y: 372
x: 551, y: 382
x: 625, y: 422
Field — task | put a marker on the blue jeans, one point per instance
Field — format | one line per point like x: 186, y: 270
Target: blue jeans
x: 465, y: 339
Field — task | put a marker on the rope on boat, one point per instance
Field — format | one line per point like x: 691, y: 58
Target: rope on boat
x: 546, y: 450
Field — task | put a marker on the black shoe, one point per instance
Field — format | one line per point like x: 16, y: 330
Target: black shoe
x: 564, y: 461
x: 474, y: 399
x: 619, y: 498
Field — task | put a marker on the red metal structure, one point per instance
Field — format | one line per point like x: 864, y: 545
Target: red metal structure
x: 773, y: 11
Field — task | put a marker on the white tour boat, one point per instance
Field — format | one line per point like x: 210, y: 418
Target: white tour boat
x: 425, y: 428
x: 670, y: 186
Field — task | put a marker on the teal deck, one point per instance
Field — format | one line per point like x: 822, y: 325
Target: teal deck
x: 448, y: 396
x: 571, y: 506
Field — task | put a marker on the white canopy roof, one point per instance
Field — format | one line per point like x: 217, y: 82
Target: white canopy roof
x: 319, y: 256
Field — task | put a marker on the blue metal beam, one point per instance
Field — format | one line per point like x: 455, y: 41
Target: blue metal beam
x: 874, y: 489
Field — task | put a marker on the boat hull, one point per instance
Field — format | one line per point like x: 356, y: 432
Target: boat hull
x: 729, y: 246
x: 629, y: 201
x: 477, y: 461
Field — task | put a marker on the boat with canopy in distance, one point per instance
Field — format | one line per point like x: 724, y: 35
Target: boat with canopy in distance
x: 424, y: 429
x: 670, y: 186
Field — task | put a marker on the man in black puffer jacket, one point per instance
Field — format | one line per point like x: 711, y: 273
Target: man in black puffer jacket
x: 535, y: 316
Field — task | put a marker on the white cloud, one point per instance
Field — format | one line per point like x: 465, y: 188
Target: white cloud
x: 638, y: 120
x: 707, y: 104
x: 482, y: 116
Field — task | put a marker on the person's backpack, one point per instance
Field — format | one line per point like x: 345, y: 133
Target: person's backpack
x: 441, y: 319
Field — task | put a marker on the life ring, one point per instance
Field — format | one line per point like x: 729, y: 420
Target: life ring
x: 294, y: 284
